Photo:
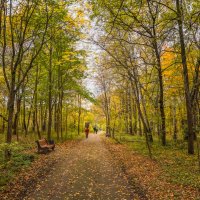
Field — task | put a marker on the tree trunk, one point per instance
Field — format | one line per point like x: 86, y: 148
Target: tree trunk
x: 79, y: 113
x: 10, y: 109
x: 174, y: 124
x: 10, y: 117
x: 147, y: 130
x: 130, y: 111
x: 135, y: 114
x: 36, y: 104
x: 186, y: 78
x: 16, y: 118
x: 161, y: 91
x: 56, y: 120
x: 61, y: 114
x: 66, y: 121
x: 50, y: 95
x: 140, y: 126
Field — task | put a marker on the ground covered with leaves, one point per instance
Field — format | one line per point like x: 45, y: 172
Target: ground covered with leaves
x: 149, y: 175
x: 178, y: 166
x: 87, y: 171
x: 29, y: 176
x: 95, y: 168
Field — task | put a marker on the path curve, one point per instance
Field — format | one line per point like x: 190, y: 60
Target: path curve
x: 86, y: 172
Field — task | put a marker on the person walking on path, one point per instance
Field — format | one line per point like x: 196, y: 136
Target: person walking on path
x: 95, y: 129
x: 86, y: 132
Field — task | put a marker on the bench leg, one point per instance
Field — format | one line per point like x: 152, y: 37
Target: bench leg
x: 46, y: 151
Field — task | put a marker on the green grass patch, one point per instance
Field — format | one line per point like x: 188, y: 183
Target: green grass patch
x: 178, y: 166
x: 19, y: 159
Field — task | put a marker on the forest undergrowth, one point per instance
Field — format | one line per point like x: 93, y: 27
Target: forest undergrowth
x: 172, y: 158
x: 162, y: 177
x: 24, y: 152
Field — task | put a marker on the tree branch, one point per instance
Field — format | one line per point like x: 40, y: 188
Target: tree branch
x: 3, y: 118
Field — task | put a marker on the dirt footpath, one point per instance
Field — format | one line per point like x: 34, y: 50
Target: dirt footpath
x: 88, y: 171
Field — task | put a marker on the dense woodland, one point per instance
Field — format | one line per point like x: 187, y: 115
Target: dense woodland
x: 148, y: 72
x: 42, y: 70
x: 139, y: 58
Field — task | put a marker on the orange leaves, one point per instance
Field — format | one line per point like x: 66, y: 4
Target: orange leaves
x: 172, y: 72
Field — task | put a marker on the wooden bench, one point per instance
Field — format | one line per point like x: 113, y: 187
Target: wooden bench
x: 44, y: 146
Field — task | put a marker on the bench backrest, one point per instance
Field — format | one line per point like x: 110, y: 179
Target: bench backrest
x: 42, y: 142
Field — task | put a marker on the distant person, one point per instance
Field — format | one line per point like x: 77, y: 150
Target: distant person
x: 95, y: 129
x: 86, y: 132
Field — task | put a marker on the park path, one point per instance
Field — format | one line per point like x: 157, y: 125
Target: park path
x: 86, y: 172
